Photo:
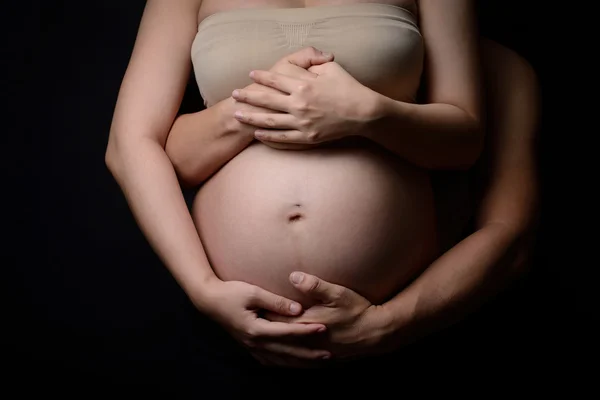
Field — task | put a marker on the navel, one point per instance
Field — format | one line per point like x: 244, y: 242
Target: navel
x: 295, y: 217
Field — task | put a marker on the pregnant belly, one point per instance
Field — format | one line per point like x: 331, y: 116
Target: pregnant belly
x: 358, y: 217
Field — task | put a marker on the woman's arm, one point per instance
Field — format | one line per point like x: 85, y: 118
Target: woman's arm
x: 447, y: 132
x: 148, y: 102
x: 481, y: 264
x: 149, y: 99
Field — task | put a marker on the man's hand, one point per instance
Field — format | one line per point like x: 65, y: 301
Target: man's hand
x: 355, y: 327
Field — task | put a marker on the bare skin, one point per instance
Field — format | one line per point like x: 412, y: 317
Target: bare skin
x: 444, y: 133
x: 147, y: 105
x: 311, y: 228
x: 452, y: 115
x: 153, y: 86
x: 478, y: 267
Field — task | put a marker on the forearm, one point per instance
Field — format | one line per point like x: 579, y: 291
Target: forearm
x: 432, y: 136
x: 480, y: 265
x: 456, y: 283
x: 201, y: 143
x: 146, y: 176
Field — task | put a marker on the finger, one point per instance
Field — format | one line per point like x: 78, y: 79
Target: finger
x: 265, y: 329
x: 275, y: 80
x: 317, y: 288
x: 293, y: 71
x: 289, y: 146
x: 270, y: 301
x: 274, y: 317
x: 268, y: 120
x: 324, y: 68
x: 295, y: 351
x: 272, y: 101
x: 312, y: 315
x: 282, y: 136
x: 308, y: 56
x: 317, y: 70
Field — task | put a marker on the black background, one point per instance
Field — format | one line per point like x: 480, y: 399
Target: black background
x: 87, y: 292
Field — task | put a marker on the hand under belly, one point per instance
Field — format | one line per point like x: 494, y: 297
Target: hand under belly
x: 357, y: 217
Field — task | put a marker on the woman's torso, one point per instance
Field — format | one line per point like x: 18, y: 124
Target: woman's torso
x: 354, y: 215
x: 378, y: 43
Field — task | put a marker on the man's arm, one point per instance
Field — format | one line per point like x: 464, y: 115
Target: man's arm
x: 476, y: 268
x: 480, y: 265
x: 200, y: 143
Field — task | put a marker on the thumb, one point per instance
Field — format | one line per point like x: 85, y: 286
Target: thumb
x: 272, y: 302
x: 322, y: 58
x: 317, y: 288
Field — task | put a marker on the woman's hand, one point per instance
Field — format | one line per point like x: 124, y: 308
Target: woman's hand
x: 355, y: 327
x: 235, y: 306
x: 326, y: 107
x: 294, y: 65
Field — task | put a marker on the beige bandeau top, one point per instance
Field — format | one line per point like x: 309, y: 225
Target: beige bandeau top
x: 378, y: 44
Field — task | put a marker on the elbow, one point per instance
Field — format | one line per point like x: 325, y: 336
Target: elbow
x: 468, y: 157
x: 190, y: 177
x: 518, y: 221
x: 187, y: 178
x: 517, y: 228
x: 111, y: 158
x: 521, y: 236
x: 118, y: 154
x: 524, y: 248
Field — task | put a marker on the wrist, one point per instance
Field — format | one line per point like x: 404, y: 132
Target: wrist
x: 377, y: 108
x: 229, y: 124
x: 397, y: 321
x: 203, y: 292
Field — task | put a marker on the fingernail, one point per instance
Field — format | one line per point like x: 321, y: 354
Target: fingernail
x: 295, y: 307
x: 239, y: 114
x: 326, y: 357
x: 327, y: 54
x: 235, y: 93
x: 251, y: 74
x: 297, y: 277
x: 321, y: 329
